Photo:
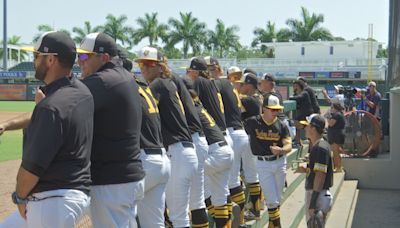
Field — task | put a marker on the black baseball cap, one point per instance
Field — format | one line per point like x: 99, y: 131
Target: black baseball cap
x: 59, y: 43
x: 250, y: 78
x: 211, y: 61
x: 272, y: 102
x: 98, y: 43
x: 315, y: 120
x: 198, y: 63
x: 269, y: 77
x: 249, y: 70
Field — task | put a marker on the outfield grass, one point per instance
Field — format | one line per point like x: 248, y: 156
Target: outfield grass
x: 16, y: 106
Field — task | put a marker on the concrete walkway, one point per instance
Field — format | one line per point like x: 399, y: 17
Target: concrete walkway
x: 377, y: 208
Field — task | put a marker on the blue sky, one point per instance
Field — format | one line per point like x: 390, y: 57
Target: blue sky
x: 345, y: 18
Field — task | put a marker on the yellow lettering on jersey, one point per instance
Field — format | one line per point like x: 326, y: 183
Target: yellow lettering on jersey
x: 180, y: 102
x: 148, y: 96
x: 221, y: 104
x: 209, y: 117
x: 270, y: 136
x: 239, y: 102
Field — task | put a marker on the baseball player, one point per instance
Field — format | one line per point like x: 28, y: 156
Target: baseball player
x: 175, y: 132
x: 53, y: 180
x: 155, y: 162
x: 319, y: 169
x: 197, y: 204
x: 240, y: 146
x: 270, y: 141
x: 217, y: 166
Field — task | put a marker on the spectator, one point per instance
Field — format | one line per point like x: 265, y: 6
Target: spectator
x: 303, y: 106
x: 336, y: 135
x: 373, y: 99
x: 312, y: 94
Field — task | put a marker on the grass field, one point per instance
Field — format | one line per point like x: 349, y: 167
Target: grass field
x: 11, y: 141
x: 16, y: 106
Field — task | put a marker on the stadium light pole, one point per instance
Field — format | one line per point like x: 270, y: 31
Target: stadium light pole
x: 5, y: 68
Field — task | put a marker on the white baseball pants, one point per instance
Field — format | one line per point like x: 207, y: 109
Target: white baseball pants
x: 197, y: 189
x: 324, y: 202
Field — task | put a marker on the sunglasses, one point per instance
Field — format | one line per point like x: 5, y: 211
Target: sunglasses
x: 147, y: 63
x: 273, y: 110
x: 85, y: 56
x: 36, y: 54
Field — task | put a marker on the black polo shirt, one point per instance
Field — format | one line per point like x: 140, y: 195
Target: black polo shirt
x: 117, y: 125
x: 211, y: 130
x: 263, y: 135
x: 193, y: 120
x: 320, y: 160
x: 58, y: 139
x: 232, y: 103
x: 303, y: 105
x: 313, y: 99
x: 174, y: 127
x: 211, y: 99
x: 251, y: 105
x: 151, y: 123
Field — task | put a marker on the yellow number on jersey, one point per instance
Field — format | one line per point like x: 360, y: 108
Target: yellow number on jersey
x: 209, y: 118
x: 180, y: 102
x: 148, y: 96
x: 239, y: 102
x: 221, y: 104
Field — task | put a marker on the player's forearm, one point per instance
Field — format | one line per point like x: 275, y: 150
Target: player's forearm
x: 19, y: 122
x: 26, y: 181
x: 319, y: 181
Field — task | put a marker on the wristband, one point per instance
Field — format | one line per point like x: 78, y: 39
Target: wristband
x: 313, y: 201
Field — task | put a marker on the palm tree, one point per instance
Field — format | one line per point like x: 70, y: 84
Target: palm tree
x: 47, y: 28
x: 269, y: 34
x: 115, y: 27
x: 223, y: 39
x: 188, y: 30
x: 308, y: 28
x: 82, y: 32
x: 149, y: 28
x: 14, y: 40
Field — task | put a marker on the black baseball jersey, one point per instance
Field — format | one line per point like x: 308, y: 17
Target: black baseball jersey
x: 232, y: 103
x: 58, y: 139
x: 251, y: 105
x: 210, y: 128
x: 320, y: 160
x: 211, y: 100
x: 117, y: 124
x: 151, y: 124
x: 174, y: 127
x: 263, y: 135
x: 193, y: 120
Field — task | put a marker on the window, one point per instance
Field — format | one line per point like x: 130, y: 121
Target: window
x: 331, y: 50
x: 303, y: 50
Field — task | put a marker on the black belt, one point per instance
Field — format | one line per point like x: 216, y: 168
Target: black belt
x: 272, y: 158
x: 221, y: 144
x: 224, y: 133
x: 149, y: 151
x: 237, y: 128
x: 187, y: 145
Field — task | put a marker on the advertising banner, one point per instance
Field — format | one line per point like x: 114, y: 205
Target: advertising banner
x: 12, y: 92
x: 12, y: 74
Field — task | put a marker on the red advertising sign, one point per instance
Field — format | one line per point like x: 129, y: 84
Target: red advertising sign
x: 12, y: 92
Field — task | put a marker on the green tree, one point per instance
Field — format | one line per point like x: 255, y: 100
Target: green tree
x: 150, y: 28
x: 267, y: 35
x: 116, y: 28
x: 188, y: 30
x: 47, y: 28
x: 14, y: 40
x: 308, y: 27
x: 224, y: 39
x: 82, y: 32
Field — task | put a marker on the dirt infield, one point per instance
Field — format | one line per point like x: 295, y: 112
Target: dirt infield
x: 8, y: 115
x: 8, y: 174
